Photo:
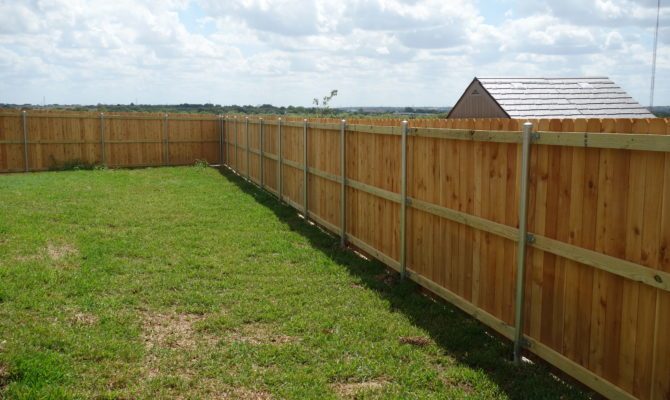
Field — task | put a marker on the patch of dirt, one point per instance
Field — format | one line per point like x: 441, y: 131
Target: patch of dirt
x: 82, y: 318
x: 357, y: 286
x: 171, y: 330
x: 349, y: 390
x: 31, y: 257
x: 419, y: 341
x: 175, y: 332
x: 260, y: 334
x: 58, y: 252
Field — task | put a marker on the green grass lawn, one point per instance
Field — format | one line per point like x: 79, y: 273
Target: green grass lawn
x: 183, y: 282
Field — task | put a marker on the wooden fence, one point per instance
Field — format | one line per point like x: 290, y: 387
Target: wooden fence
x: 39, y: 140
x: 444, y: 208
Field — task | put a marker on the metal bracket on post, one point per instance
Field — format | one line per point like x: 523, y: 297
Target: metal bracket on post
x: 260, y: 139
x: 166, y: 142
x: 527, y: 137
x: 280, y: 172
x: 305, y: 167
x: 24, y: 120
x: 102, y: 139
x: 343, y: 188
x: 403, y: 203
x: 246, y: 130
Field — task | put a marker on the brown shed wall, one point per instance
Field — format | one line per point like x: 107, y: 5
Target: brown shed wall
x: 479, y: 105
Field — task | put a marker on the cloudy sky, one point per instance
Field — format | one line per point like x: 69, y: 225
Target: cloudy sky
x: 286, y: 52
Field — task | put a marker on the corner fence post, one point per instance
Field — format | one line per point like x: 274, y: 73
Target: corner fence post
x: 280, y: 172
x: 24, y: 120
x: 166, y: 142
x: 260, y: 139
x: 102, y: 139
x: 246, y: 129
x: 403, y: 200
x: 305, y: 167
x: 523, y: 238
x: 343, y: 187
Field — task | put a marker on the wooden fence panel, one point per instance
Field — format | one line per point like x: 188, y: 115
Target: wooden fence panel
x: 254, y: 158
x: 374, y: 160
x: 271, y: 159
x: 191, y: 140
x: 135, y: 141
x: 661, y: 345
x: 292, y: 171
x: 60, y: 139
x: 238, y: 136
x: 11, y: 143
x: 56, y: 141
x: 324, y: 155
x: 241, y: 152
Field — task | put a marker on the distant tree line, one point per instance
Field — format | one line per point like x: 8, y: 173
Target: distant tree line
x: 265, y: 109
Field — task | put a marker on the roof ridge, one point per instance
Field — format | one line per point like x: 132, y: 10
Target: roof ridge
x: 542, y: 77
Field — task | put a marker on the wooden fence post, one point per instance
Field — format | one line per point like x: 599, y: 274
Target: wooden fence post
x: 304, y: 171
x: 403, y: 200
x: 24, y: 119
x: 343, y: 187
x: 260, y: 139
x: 522, y: 240
x: 280, y: 172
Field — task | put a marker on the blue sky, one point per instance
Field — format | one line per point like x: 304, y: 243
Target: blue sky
x: 286, y: 52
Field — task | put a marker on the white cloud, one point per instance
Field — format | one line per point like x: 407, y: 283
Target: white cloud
x: 376, y: 52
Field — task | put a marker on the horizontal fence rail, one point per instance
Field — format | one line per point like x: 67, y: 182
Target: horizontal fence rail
x: 37, y: 140
x: 595, y: 294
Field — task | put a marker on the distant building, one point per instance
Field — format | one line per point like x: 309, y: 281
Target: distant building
x: 532, y: 98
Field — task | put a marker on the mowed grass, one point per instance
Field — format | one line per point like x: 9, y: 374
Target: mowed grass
x: 184, y: 282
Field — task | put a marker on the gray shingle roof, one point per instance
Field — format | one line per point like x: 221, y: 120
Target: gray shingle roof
x: 563, y: 98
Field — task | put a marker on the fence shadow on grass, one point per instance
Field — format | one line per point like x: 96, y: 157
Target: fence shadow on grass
x: 456, y: 333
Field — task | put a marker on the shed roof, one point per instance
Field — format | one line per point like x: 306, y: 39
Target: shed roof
x: 563, y: 98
